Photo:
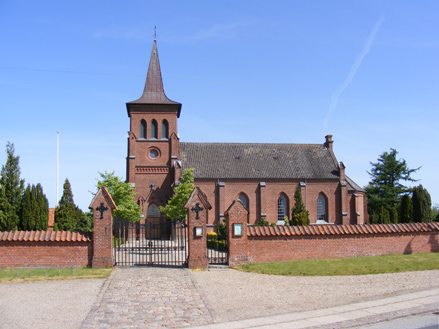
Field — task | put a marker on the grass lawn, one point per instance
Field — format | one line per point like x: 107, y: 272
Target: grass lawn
x: 349, y: 266
x: 37, y: 274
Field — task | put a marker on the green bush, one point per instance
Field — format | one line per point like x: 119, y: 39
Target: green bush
x: 262, y: 222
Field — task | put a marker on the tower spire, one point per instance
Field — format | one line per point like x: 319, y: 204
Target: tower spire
x: 153, y: 92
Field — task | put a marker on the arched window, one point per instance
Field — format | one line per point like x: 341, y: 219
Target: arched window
x: 281, y: 207
x: 165, y: 128
x: 154, y: 129
x: 321, y: 208
x: 243, y: 198
x: 142, y: 129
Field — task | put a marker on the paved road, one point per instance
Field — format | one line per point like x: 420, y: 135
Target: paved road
x: 150, y: 298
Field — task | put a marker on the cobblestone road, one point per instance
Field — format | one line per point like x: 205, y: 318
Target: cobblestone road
x: 149, y: 297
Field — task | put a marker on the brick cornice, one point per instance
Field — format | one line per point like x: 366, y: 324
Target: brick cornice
x: 155, y: 170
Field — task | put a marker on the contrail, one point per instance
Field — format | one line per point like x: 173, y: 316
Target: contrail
x: 353, y: 70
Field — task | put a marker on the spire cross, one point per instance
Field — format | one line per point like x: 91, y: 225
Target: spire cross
x: 155, y: 32
x: 197, y: 209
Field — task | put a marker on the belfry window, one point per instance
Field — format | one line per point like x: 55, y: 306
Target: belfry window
x: 281, y: 207
x: 321, y: 208
x: 154, y: 129
x: 142, y: 129
x: 165, y: 128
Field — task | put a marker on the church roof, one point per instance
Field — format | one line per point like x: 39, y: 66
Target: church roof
x: 352, y: 186
x: 259, y: 161
x: 154, y: 92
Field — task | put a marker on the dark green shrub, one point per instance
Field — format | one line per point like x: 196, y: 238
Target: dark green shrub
x: 214, y: 243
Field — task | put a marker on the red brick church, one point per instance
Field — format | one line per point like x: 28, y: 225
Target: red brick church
x: 262, y: 176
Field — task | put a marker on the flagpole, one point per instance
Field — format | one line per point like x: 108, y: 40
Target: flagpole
x: 57, y: 166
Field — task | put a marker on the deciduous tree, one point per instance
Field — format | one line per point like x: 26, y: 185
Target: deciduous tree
x: 123, y: 196
x: 174, y: 208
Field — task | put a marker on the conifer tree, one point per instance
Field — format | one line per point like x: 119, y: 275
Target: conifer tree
x: 42, y: 209
x: 34, y: 214
x: 384, y: 216
x: 374, y: 218
x: 85, y: 223
x: 26, y: 210
x: 406, y: 209
x: 393, y: 215
x: 385, y: 188
x: 11, y: 191
x: 174, y: 208
x: 299, y: 215
x: 421, y: 202
x: 67, y: 214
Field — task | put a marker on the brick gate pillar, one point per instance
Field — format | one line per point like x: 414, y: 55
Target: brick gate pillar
x: 103, y: 206
x: 236, y: 218
x: 197, y: 207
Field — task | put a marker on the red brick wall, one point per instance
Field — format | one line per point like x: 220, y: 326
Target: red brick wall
x: 46, y: 254
x: 284, y: 248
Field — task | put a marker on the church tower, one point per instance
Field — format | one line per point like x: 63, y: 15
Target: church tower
x: 153, y: 143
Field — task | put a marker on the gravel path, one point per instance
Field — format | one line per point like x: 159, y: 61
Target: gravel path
x: 237, y: 295
x: 47, y: 304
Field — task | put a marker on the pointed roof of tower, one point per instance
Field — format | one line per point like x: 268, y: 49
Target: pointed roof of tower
x: 154, y: 92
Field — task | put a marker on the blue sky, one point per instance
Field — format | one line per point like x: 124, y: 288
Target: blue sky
x: 366, y: 72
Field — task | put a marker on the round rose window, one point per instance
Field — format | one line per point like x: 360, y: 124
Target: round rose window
x: 153, y: 154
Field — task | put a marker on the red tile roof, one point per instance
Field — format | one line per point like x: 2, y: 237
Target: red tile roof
x: 255, y: 231
x: 42, y: 236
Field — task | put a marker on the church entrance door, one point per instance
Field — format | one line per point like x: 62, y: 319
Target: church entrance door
x: 157, y: 242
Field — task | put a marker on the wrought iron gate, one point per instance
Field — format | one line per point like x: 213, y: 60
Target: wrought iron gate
x: 157, y: 242
x: 217, y: 248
